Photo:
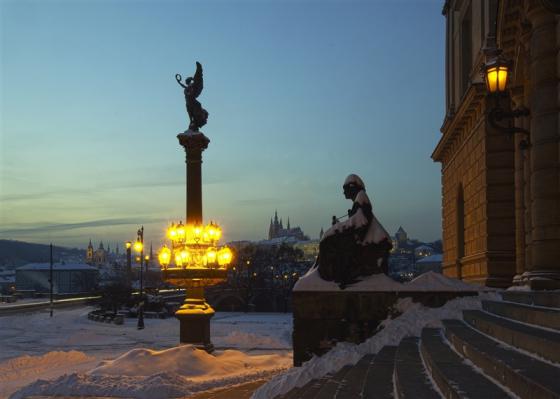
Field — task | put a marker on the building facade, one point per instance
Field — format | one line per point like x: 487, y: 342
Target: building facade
x: 501, y: 192
x: 67, y: 278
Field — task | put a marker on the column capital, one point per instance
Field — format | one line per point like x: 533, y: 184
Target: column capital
x: 193, y: 142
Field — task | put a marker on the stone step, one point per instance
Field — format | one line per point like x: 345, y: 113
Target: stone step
x: 544, y: 317
x: 353, y: 384
x: 524, y: 375
x: 537, y: 298
x: 411, y: 380
x: 308, y: 391
x: 454, y: 377
x: 544, y: 343
x: 332, y: 384
x: 379, y: 378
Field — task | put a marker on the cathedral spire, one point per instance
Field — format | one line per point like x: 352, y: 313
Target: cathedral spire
x: 288, y: 226
x: 321, y: 233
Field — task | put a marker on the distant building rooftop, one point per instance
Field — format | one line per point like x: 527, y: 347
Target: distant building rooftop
x: 57, y: 266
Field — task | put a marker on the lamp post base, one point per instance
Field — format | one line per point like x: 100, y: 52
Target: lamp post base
x: 194, y: 318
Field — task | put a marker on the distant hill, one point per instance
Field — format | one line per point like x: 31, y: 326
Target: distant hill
x: 17, y: 253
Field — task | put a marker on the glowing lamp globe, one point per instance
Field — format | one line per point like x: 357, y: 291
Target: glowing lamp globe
x: 181, y: 232
x: 225, y: 256
x: 211, y: 256
x: 178, y: 260
x: 164, y: 256
x: 138, y: 246
x: 172, y: 233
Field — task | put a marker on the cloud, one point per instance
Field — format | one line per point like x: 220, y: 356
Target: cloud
x: 49, y: 228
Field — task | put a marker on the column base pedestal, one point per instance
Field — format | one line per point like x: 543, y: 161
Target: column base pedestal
x: 194, y: 318
x: 541, y: 279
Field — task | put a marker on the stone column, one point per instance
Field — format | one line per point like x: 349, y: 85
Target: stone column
x: 519, y: 193
x: 194, y: 144
x: 545, y: 162
x: 195, y: 314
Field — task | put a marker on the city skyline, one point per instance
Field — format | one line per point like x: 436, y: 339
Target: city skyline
x: 300, y: 94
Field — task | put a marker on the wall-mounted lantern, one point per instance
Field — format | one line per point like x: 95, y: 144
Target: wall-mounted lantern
x: 496, y: 72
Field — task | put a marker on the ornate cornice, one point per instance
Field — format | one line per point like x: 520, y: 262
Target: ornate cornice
x: 453, y: 125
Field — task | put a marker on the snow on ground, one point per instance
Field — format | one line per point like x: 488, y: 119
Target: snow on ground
x: 33, y: 346
x: 414, y: 317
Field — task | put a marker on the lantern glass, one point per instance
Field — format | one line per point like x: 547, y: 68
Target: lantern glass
x: 496, y: 77
x: 138, y: 246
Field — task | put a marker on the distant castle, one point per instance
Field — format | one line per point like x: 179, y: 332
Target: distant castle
x: 277, y: 230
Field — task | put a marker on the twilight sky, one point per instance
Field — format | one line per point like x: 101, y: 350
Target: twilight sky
x: 300, y: 94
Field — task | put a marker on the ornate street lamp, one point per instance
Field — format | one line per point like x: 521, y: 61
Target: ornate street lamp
x: 496, y: 72
x: 194, y: 259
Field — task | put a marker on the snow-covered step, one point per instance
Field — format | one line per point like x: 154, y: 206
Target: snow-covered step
x: 538, y: 298
x: 410, y: 380
x: 544, y: 343
x: 353, y: 384
x: 379, y: 379
x: 544, y: 317
x: 524, y: 375
x: 455, y: 378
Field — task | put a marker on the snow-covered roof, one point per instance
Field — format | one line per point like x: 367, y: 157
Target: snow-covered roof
x: 431, y: 259
x: 424, y: 248
x: 57, y: 266
x: 8, y: 279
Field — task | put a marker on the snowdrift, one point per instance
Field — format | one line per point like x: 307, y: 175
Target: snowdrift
x: 175, y: 372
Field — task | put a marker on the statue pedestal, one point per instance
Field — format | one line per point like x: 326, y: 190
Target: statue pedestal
x: 194, y: 318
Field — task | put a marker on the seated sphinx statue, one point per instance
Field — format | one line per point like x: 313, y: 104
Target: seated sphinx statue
x: 359, y: 246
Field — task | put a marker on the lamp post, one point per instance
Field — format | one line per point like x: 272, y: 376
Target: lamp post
x: 139, y: 248
x: 128, y: 246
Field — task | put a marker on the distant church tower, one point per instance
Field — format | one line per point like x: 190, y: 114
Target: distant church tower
x: 89, y: 253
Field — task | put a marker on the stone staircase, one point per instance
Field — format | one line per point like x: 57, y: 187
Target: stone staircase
x: 510, y: 348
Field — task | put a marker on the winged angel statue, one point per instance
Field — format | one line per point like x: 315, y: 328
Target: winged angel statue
x: 193, y: 87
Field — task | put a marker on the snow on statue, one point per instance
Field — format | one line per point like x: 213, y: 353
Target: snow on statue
x: 359, y: 246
